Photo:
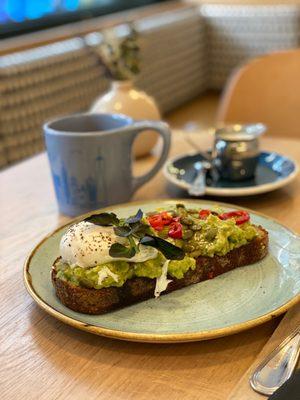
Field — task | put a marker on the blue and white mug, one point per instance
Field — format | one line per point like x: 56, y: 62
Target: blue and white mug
x: 90, y: 157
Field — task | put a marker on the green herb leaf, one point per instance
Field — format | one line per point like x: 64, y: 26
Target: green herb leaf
x: 118, y: 250
x: 123, y: 231
x: 135, y: 218
x: 168, y: 249
x: 103, y: 219
x: 137, y: 229
x: 133, y: 244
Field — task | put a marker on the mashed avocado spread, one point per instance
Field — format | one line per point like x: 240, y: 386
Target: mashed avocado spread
x: 216, y: 237
x: 208, y: 237
x: 121, y: 271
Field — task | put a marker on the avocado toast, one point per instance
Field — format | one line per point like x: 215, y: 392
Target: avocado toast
x: 107, y: 262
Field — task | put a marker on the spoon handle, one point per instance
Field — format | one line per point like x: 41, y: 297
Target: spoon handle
x: 278, y: 366
x: 198, y: 186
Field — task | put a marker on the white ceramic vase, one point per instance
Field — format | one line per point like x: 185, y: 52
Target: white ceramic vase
x: 124, y: 98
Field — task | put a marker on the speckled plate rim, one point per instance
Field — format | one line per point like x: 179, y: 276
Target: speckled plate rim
x: 153, y: 337
x: 215, y: 191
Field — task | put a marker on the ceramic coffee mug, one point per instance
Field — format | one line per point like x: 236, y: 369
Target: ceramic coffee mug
x: 91, y: 159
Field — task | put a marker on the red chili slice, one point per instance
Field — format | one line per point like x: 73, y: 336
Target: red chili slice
x: 210, y: 275
x: 175, y: 230
x: 203, y: 214
x: 240, y: 216
x: 159, y: 221
x: 166, y: 218
x: 156, y: 222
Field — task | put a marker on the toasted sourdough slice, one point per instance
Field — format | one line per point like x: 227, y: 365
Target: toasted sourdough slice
x: 100, y: 301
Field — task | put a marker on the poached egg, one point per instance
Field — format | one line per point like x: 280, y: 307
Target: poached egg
x: 87, y: 245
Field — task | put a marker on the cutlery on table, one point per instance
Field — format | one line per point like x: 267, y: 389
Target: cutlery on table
x: 198, y: 185
x: 278, y: 366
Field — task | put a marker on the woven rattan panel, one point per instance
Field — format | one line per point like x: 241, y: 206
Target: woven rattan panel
x: 174, y: 67
x: 237, y: 33
x: 40, y: 84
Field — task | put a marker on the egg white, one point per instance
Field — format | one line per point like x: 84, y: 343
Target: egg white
x: 87, y: 245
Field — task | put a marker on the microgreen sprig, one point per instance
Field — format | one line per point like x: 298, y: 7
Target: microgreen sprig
x: 137, y: 233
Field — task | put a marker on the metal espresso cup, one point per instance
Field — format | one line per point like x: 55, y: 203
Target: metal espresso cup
x: 236, y: 150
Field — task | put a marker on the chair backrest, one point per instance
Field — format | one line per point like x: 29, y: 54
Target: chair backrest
x: 265, y: 90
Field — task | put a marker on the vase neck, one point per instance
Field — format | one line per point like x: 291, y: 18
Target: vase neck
x: 122, y: 85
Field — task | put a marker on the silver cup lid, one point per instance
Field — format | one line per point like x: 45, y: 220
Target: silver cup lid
x: 240, y: 132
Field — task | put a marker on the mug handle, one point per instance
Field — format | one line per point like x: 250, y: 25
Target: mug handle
x: 164, y: 131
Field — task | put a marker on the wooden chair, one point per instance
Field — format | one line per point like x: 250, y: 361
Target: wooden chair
x: 265, y: 90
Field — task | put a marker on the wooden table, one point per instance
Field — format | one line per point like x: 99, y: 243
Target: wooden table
x: 41, y: 358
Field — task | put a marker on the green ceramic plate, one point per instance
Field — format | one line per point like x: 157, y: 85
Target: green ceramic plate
x: 230, y: 303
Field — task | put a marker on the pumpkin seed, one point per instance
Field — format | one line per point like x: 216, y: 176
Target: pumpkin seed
x: 211, y: 233
x: 188, y: 234
x: 196, y: 227
x: 187, y: 220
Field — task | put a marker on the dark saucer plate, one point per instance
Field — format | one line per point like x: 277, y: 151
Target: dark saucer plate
x: 273, y: 172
